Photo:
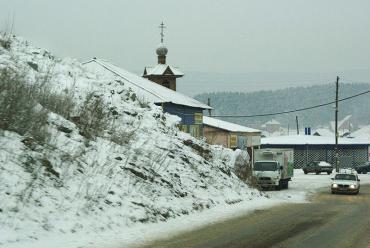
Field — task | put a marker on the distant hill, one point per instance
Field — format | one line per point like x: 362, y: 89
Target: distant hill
x: 269, y: 101
x: 194, y: 83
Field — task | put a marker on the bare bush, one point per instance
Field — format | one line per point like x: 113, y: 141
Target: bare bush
x: 7, y: 33
x: 93, y: 117
x: 243, y: 169
x: 245, y: 173
x: 59, y: 103
x: 121, y: 137
x: 143, y: 103
x: 19, y: 109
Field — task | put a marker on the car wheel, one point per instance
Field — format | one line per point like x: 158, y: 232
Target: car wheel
x: 328, y: 172
x: 317, y: 172
x: 305, y: 172
x: 333, y: 192
x: 364, y: 172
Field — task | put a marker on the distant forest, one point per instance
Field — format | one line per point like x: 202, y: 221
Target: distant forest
x: 260, y: 102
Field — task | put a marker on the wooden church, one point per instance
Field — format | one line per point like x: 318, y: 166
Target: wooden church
x: 163, y: 74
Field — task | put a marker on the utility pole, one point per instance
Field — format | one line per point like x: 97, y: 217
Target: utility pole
x: 296, y: 120
x: 209, y: 104
x: 336, y: 126
x: 288, y: 128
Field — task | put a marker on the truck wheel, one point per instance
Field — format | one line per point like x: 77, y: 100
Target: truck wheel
x: 317, y: 172
x: 286, y: 185
x: 278, y: 187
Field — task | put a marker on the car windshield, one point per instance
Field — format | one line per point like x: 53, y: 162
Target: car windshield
x: 265, y: 166
x: 345, y: 177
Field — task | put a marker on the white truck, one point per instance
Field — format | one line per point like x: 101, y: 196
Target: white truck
x: 273, y: 168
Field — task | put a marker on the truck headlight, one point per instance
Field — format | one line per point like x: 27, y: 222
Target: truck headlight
x: 334, y: 185
x: 352, y: 186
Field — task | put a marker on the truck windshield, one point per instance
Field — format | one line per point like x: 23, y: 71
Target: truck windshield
x: 265, y: 166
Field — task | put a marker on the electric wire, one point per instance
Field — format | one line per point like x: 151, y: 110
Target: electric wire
x: 281, y: 112
x: 295, y: 110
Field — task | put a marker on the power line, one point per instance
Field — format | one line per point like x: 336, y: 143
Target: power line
x: 295, y: 110
x: 282, y: 112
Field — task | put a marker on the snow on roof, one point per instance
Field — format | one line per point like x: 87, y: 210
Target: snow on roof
x: 143, y: 87
x: 363, y: 132
x: 232, y: 127
x: 273, y: 121
x: 341, y: 123
x: 324, y: 132
x: 160, y: 69
x: 311, y: 140
x: 348, y: 117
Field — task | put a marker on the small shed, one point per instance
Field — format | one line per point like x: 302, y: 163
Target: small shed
x: 307, y: 148
x: 230, y: 135
x: 188, y: 109
x: 272, y: 126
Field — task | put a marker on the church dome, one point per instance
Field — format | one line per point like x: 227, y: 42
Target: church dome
x: 162, y: 50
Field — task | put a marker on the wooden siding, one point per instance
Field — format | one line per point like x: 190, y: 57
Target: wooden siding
x: 186, y: 113
x: 216, y: 136
x: 167, y: 81
x: 191, y: 118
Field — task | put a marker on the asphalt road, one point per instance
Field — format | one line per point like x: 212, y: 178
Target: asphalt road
x: 329, y: 221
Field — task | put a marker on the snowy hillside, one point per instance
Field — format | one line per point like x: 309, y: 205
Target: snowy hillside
x: 136, y: 167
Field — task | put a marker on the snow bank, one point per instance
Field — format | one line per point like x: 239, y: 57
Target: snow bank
x: 70, y: 187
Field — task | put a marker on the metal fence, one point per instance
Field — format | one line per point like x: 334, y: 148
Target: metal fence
x: 350, y: 156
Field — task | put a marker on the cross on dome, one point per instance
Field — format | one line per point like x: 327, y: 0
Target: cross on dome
x: 162, y: 27
x: 162, y: 49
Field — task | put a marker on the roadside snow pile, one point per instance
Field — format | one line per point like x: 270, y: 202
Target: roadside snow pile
x: 139, y: 170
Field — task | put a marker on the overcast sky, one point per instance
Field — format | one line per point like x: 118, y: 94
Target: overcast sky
x: 202, y: 35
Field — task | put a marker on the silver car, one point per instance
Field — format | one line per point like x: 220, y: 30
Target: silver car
x: 346, y: 182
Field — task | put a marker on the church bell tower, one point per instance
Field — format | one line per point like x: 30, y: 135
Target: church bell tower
x: 163, y: 74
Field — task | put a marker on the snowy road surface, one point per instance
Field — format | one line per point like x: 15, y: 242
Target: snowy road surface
x: 300, y: 190
x: 328, y: 221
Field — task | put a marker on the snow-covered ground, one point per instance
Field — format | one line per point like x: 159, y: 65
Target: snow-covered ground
x: 300, y: 189
x: 139, y: 169
x: 74, y: 191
